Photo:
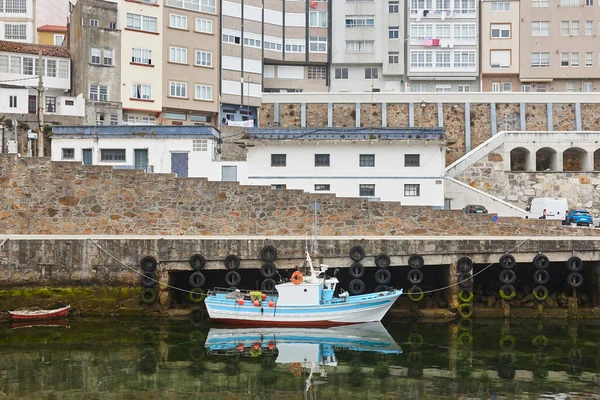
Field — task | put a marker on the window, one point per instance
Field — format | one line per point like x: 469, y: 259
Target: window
x: 540, y: 60
x: 178, y: 55
x: 252, y: 42
x: 442, y: 31
x: 178, y: 21
x: 412, y: 160
x: 50, y: 104
x: 141, y: 91
x: 15, y: 6
x: 540, y: 3
x: 96, y: 54
x: 50, y: 68
x: 294, y: 48
x: 500, y: 58
x: 540, y: 28
x: 421, y: 31
x: 419, y: 87
x: 464, y: 88
x: 69, y: 103
x: 322, y: 188
x: 108, y: 57
x: 540, y: 87
x: 525, y: 88
x: 412, y: 190
x: 465, y: 32
x: 464, y: 59
x: 569, y: 3
x: 317, y: 44
x: 565, y: 59
x: 393, y: 7
x: 12, y: 101
x: 589, y: 28
x: 58, y: 40
x: 272, y: 45
x: 443, y: 88
x: 360, y: 46
x: 394, y: 32
x: 442, y: 59
x: 63, y: 69
x: 321, y: 160
x: 507, y: 86
x: 15, y: 64
x: 200, y: 145
x: 278, y: 160
x: 464, y: 6
x: 99, y: 118
x: 371, y: 73
x: 68, y: 154
x: 501, y: 6
x: 231, y: 39
x: 15, y: 32
x: 317, y: 72
x: 589, y: 2
x: 341, y: 73
x: 112, y: 25
x: 278, y: 187
x: 141, y: 56
x: 200, y: 118
x: 500, y: 31
x: 177, y: 89
x: 204, y: 25
x: 207, y: 6
x: 98, y: 92
x: 203, y: 92
x: 141, y: 22
x: 574, y: 59
x: 570, y: 87
x: 367, y: 160
x: 114, y: 119
x: 112, y: 154
x: 360, y: 21
x: 136, y: 120
x: 203, y: 58
x: 94, y: 22
x: 421, y: 59
x: 366, y: 190
x: 4, y: 63
x: 574, y: 28
x: 589, y: 59
x: 317, y: 19
x: 495, y: 86
x: 587, y: 87
x: 394, y: 57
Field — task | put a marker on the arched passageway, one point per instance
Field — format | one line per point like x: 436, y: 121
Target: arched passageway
x: 546, y: 159
x: 574, y: 159
x: 519, y: 159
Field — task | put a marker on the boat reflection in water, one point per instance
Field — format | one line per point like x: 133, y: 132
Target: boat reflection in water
x: 307, y: 351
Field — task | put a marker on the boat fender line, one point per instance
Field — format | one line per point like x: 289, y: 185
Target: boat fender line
x: 232, y: 262
x: 357, y: 270
x: 148, y: 296
x: 507, y: 261
x: 575, y: 279
x: 197, y: 279
x: 148, y: 264
x: 465, y: 280
x: 508, y: 276
x: 357, y: 253
x: 541, y: 261
x: 268, y: 270
x: 574, y: 264
x: 232, y: 278
x: 382, y: 261
x: 415, y: 293
x: 464, y: 264
x: 465, y: 295
x: 148, y: 279
x: 508, y: 292
x: 383, y: 276
x: 268, y: 253
x: 296, y: 369
x: 197, y: 262
x: 416, y: 261
x: 297, y: 277
x: 541, y: 277
x: 540, y: 293
x: 197, y: 295
x: 465, y: 310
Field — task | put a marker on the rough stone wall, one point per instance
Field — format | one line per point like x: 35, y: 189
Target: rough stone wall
x: 508, y: 117
x: 229, y: 150
x: 519, y: 188
x: 426, y: 117
x: 480, y: 124
x: 535, y: 117
x: 43, y: 197
x: 289, y: 115
x: 370, y: 115
x: 397, y: 115
x: 344, y: 115
x: 590, y: 117
x: 454, y: 122
x: 266, y: 115
x: 563, y: 117
x: 316, y: 115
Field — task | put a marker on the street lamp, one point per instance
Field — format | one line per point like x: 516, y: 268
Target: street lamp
x: 423, y: 104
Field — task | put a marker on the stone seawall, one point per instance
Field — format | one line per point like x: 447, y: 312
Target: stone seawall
x: 42, y: 197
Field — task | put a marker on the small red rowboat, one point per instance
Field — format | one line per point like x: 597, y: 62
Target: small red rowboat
x: 39, y: 314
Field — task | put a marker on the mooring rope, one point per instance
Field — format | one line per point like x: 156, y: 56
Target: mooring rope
x: 474, y: 275
x: 164, y: 285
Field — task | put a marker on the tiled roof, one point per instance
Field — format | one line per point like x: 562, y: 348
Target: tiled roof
x: 28, y: 48
x: 52, y: 28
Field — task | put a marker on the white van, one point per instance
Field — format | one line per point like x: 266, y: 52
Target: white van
x: 548, y: 208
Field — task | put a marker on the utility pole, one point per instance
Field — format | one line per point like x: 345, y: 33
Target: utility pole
x: 41, y: 107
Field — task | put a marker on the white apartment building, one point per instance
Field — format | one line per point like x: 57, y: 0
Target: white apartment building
x: 367, y: 46
x: 19, y: 69
x: 140, y: 23
x: 442, y: 46
x: 17, y: 21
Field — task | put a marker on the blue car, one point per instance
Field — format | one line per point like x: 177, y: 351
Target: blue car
x: 579, y: 217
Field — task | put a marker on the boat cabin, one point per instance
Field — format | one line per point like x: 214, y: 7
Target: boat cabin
x: 307, y: 293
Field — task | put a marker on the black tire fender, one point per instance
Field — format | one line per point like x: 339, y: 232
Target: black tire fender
x: 541, y: 277
x: 382, y: 261
x: 233, y: 278
x: 197, y: 262
x: 148, y: 264
x: 148, y: 296
x: 574, y: 264
x: 232, y: 262
x: 356, y: 286
x: 268, y: 253
x: 414, y: 276
x: 383, y: 276
x: 464, y: 264
x: 508, y: 276
x: 148, y: 279
x: 357, y: 253
x: 575, y: 280
x: 197, y: 279
x: 268, y: 270
x: 507, y: 261
x: 357, y: 270
x: 465, y: 280
x: 416, y: 261
x: 541, y: 261
x: 268, y: 285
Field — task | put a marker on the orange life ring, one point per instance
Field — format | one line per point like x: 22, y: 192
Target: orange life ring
x: 296, y: 369
x: 297, y: 278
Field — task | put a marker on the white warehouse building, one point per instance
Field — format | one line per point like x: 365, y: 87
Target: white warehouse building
x: 383, y: 164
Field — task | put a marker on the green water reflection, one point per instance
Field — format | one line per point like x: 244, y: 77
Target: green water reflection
x: 167, y: 359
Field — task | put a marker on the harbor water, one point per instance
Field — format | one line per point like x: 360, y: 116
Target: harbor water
x: 190, y: 358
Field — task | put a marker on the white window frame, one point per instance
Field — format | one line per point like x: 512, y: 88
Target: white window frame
x: 178, y: 55
x: 589, y: 28
x: 360, y: 46
x: 203, y: 58
x: 178, y: 21
x: 540, y: 28
x: 464, y: 88
x: 143, y: 55
x: 499, y: 6
x: 587, y: 87
x: 343, y: 71
x: 496, y: 87
x: 575, y: 59
x: 95, y: 55
x: 141, y: 22
x: 540, y: 3
x: 60, y: 41
x: 569, y: 86
x: 317, y: 19
x: 205, y: 6
x: 540, y: 59
x: 205, y: 92
x: 589, y: 59
x: 394, y: 57
x: 141, y: 91
x: 369, y: 72
x: 393, y: 7
x: 204, y: 25
x: 507, y: 86
x: 501, y: 30
x: 317, y: 44
x: 15, y: 32
x: 178, y: 89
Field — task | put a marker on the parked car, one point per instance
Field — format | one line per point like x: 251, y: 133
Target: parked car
x: 580, y: 217
x: 548, y: 208
x: 475, y: 209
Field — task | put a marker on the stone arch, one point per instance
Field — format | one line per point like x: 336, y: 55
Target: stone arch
x: 519, y: 159
x: 597, y: 160
x: 574, y: 159
x: 546, y: 159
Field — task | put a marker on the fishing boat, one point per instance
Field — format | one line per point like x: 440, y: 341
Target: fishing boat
x: 304, y: 301
x: 26, y: 315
